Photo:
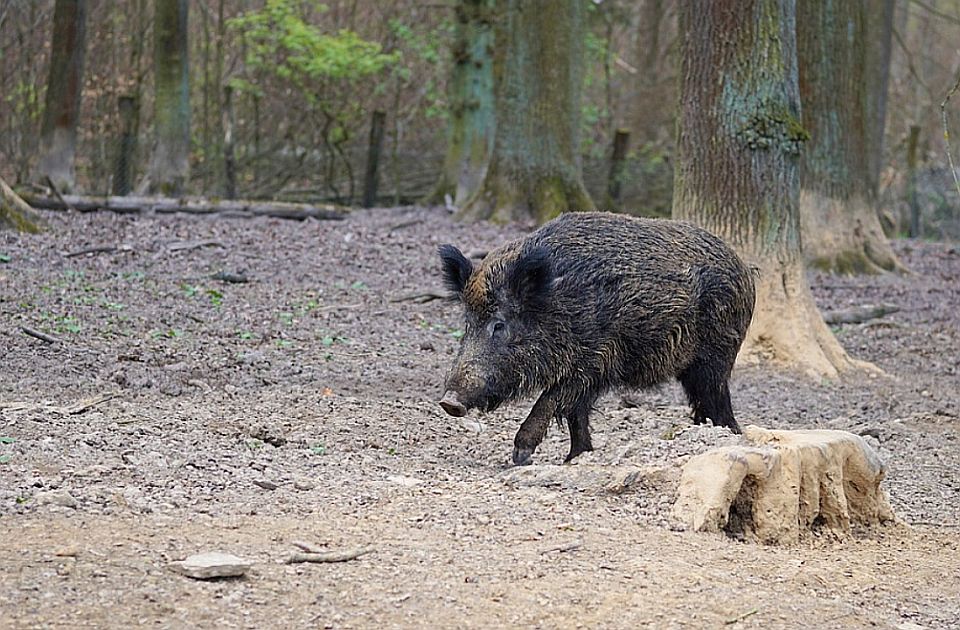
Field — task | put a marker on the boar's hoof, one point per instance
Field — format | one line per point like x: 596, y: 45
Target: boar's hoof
x: 452, y: 405
x: 522, y: 456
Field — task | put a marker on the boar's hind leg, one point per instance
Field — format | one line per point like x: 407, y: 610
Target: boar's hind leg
x: 709, y: 394
x: 578, y: 420
x: 534, y: 428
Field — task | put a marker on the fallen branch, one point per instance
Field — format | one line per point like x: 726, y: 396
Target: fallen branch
x: 859, y: 314
x: 36, y: 334
x: 330, y: 556
x: 188, y: 205
x: 56, y: 193
x: 420, y: 298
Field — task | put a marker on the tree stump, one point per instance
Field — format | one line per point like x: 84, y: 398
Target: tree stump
x: 784, y: 484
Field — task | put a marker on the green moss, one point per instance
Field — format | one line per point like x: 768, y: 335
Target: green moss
x: 773, y: 126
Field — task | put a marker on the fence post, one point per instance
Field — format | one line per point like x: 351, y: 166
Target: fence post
x: 123, y: 166
x: 373, y: 159
x: 621, y: 139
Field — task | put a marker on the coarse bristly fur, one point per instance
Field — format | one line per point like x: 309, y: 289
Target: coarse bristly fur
x: 596, y: 301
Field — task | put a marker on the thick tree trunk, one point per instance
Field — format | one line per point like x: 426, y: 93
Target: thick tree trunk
x: 534, y: 171
x: 169, y: 164
x: 472, y: 119
x: 844, y: 52
x: 737, y: 169
x: 58, y: 135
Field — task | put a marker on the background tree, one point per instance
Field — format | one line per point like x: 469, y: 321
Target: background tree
x: 169, y: 162
x: 470, y: 103
x: 534, y: 172
x: 844, y: 52
x: 737, y: 171
x: 58, y: 133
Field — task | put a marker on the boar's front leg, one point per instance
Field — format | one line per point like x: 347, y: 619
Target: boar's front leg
x: 534, y: 428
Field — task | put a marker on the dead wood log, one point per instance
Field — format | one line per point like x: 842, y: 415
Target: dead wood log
x: 189, y: 205
x: 859, y: 314
x: 15, y: 213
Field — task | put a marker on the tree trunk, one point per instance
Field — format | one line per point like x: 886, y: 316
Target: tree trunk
x: 15, y: 213
x: 737, y: 170
x: 58, y: 135
x: 169, y: 164
x: 534, y: 171
x: 470, y: 91
x: 844, y: 52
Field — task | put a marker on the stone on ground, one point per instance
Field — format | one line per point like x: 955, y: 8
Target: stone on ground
x: 206, y: 566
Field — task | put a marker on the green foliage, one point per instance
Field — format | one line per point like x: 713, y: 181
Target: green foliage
x: 418, y: 49
x: 280, y: 40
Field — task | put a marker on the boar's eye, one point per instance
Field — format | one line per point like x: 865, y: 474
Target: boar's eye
x: 497, y: 328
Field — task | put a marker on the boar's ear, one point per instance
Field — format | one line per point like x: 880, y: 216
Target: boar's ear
x: 456, y: 269
x: 530, y: 277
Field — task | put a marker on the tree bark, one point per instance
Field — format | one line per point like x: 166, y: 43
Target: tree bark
x: 15, y: 213
x: 534, y: 171
x: 169, y: 164
x: 58, y: 135
x: 472, y: 120
x: 737, y: 171
x: 844, y: 52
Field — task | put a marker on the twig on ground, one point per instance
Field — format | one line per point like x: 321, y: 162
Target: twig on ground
x: 86, y: 403
x: 303, y: 546
x: 859, y: 314
x: 477, y: 254
x: 420, y: 298
x: 330, y: 556
x: 570, y: 546
x: 338, y: 307
x: 99, y: 249
x: 180, y: 246
x: 36, y: 334
x: 749, y: 613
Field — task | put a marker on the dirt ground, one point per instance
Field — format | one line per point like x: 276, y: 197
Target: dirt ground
x: 179, y: 413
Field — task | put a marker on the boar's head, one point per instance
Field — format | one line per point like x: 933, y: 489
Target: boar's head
x: 503, y: 352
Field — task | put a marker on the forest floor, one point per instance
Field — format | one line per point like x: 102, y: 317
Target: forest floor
x: 179, y: 413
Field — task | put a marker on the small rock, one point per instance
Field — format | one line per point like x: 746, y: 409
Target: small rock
x: 57, y: 497
x: 304, y: 483
x: 266, y: 484
x: 407, y: 482
x: 213, y: 564
x: 472, y: 425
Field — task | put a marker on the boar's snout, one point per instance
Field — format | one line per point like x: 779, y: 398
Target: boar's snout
x: 452, y: 405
